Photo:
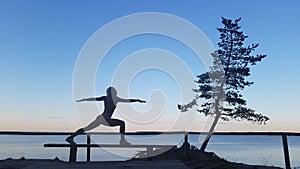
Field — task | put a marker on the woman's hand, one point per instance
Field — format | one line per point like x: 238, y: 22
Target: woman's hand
x: 80, y: 100
x: 141, y: 101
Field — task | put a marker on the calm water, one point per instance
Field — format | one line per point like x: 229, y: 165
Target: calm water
x: 264, y: 150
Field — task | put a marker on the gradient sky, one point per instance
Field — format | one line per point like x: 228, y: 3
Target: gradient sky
x: 41, y: 40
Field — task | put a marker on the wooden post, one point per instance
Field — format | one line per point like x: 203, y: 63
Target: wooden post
x: 286, y: 152
x: 73, y: 153
x: 88, y: 149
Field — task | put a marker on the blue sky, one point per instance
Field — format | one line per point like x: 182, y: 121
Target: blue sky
x: 41, y: 40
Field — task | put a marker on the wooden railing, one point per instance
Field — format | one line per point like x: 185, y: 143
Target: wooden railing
x: 284, y: 136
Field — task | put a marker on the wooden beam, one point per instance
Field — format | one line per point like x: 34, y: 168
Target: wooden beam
x: 73, y: 153
x: 151, y: 133
x: 110, y: 145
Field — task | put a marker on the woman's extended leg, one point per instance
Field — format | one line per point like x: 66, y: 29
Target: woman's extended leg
x: 98, y: 121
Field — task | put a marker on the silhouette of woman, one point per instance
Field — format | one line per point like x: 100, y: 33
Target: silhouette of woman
x: 110, y: 103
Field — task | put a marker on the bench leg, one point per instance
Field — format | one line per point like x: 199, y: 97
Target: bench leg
x: 73, y: 153
x: 88, y: 149
x: 149, y: 151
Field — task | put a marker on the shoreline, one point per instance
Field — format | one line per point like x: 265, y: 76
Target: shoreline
x: 132, y: 164
x: 57, y: 164
x: 184, y: 157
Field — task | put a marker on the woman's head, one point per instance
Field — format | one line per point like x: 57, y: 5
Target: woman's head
x: 111, y: 91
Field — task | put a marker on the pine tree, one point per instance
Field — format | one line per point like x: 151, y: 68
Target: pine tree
x: 221, y: 86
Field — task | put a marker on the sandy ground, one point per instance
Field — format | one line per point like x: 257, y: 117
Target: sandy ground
x: 55, y: 164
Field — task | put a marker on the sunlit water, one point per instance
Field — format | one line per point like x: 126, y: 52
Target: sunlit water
x: 259, y: 150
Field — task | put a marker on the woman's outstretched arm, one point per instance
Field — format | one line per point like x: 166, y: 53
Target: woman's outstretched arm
x: 131, y: 100
x: 91, y: 99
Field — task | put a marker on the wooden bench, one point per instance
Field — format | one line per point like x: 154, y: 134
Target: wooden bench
x: 73, y: 148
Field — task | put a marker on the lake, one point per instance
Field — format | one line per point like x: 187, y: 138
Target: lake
x: 259, y: 150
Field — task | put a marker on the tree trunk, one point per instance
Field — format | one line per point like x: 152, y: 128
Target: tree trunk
x: 211, y: 130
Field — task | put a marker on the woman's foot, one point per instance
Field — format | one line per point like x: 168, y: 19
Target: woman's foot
x: 70, y: 140
x: 123, y: 142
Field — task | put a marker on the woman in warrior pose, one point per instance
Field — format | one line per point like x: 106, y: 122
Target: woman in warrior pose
x: 110, y: 103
